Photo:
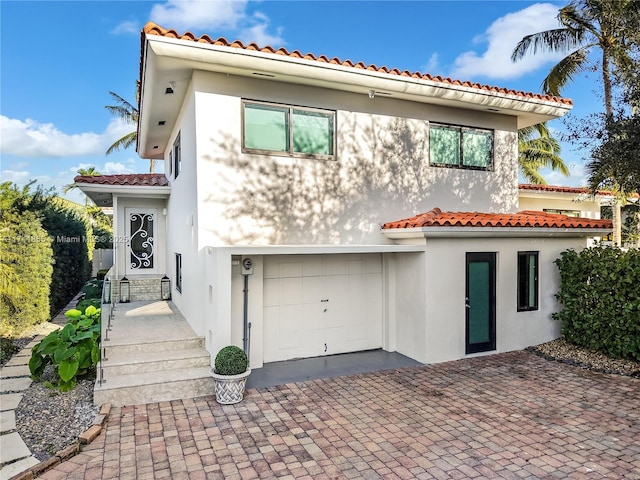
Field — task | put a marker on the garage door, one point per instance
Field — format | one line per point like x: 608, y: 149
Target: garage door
x: 321, y: 305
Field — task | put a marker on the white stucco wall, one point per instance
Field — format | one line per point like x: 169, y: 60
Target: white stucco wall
x: 445, y: 290
x: 381, y: 171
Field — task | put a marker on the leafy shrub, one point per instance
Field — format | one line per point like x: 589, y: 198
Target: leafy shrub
x: 85, y: 302
x: 231, y: 360
x: 74, y: 350
x: 101, y: 274
x: 92, y: 289
x: 600, y: 296
x: 25, y: 263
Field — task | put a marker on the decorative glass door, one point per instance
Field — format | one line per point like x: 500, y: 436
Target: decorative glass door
x: 140, y: 255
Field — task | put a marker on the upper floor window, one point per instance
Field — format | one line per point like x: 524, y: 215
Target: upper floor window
x: 460, y: 147
x: 527, y: 281
x: 177, y: 156
x: 269, y: 128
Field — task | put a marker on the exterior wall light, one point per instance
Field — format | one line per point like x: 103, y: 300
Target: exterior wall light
x: 125, y: 290
x: 165, y: 288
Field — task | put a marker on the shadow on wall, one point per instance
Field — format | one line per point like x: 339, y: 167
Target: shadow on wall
x: 381, y: 173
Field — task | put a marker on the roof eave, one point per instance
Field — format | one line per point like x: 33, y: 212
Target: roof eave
x: 102, y: 195
x: 238, y: 61
x: 496, y: 232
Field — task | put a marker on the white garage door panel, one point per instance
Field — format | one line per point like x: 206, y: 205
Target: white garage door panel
x: 321, y: 304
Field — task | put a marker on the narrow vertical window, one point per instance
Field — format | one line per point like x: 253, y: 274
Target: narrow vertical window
x: 177, y: 156
x: 179, y: 272
x: 527, y: 281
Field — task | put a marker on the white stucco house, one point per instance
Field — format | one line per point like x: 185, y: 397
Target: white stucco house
x: 364, y: 207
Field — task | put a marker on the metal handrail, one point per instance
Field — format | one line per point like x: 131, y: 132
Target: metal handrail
x: 107, y: 306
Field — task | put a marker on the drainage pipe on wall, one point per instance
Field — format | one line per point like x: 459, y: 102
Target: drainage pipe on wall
x: 246, y: 325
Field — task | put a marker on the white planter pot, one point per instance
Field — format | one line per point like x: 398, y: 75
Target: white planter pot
x: 230, y: 388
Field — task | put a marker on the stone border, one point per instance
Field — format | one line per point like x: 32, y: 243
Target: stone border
x: 71, y: 451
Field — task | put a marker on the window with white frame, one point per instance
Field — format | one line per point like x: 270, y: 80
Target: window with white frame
x: 527, y: 281
x: 460, y: 147
x: 179, y: 272
x: 177, y: 156
x: 269, y: 128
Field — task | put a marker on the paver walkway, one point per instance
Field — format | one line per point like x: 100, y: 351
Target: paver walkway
x: 510, y: 415
x: 15, y: 379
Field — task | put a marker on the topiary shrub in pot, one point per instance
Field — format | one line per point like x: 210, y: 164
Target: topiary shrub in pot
x: 230, y: 372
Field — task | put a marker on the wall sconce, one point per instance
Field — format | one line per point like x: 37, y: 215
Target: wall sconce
x: 372, y: 94
x: 125, y: 290
x: 165, y: 288
x: 170, y: 88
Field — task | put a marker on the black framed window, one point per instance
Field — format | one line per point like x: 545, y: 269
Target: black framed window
x: 460, y: 147
x: 177, y: 156
x: 269, y: 129
x: 527, y: 281
x: 179, y: 272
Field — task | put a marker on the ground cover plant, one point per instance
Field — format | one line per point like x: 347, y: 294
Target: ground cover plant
x: 73, y: 351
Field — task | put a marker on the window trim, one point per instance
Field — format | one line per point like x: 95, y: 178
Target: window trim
x: 462, y: 129
x: 523, y: 278
x: 290, y: 153
x: 178, y: 267
x: 177, y: 156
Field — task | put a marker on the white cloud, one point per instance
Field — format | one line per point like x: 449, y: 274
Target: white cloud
x: 432, y: 66
x: 30, y: 138
x: 113, y: 168
x: 126, y: 27
x: 19, y: 177
x: 258, y: 33
x: 209, y: 16
x: 501, y: 38
x: 198, y: 14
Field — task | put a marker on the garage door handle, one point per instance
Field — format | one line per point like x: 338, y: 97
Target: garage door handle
x: 325, y: 348
x: 325, y: 300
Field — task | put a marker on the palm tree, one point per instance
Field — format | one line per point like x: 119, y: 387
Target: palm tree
x: 87, y: 172
x: 586, y: 25
x: 538, y: 149
x: 130, y: 115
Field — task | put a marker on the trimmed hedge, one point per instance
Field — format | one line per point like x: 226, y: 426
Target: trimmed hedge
x: 600, y: 295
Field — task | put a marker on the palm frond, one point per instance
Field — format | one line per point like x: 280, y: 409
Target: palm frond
x: 123, y: 142
x: 565, y: 70
x: 557, y: 40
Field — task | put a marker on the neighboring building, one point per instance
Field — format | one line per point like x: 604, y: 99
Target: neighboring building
x: 304, y: 165
x: 572, y: 201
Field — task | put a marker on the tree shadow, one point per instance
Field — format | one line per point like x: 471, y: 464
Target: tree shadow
x: 380, y: 173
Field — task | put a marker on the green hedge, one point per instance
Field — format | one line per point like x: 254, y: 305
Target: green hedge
x: 600, y: 296
x: 25, y: 264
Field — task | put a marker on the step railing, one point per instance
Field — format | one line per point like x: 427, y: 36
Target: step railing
x: 107, y: 311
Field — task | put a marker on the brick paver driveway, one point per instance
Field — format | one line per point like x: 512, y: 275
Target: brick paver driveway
x: 510, y: 415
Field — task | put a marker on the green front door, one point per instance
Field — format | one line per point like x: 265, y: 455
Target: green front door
x: 480, y: 302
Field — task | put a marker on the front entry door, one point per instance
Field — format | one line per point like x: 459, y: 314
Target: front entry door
x: 480, y: 302
x: 141, y: 227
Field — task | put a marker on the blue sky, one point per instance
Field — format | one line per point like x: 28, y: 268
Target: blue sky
x: 59, y: 60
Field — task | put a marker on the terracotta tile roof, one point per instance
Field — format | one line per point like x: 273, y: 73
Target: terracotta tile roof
x: 133, y: 179
x: 562, y: 189
x: 153, y: 29
x: 527, y: 218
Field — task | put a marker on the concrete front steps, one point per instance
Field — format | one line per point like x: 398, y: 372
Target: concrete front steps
x: 150, y: 354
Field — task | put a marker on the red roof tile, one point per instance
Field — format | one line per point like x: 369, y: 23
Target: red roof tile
x: 527, y: 218
x: 153, y: 29
x: 562, y: 189
x: 133, y: 179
